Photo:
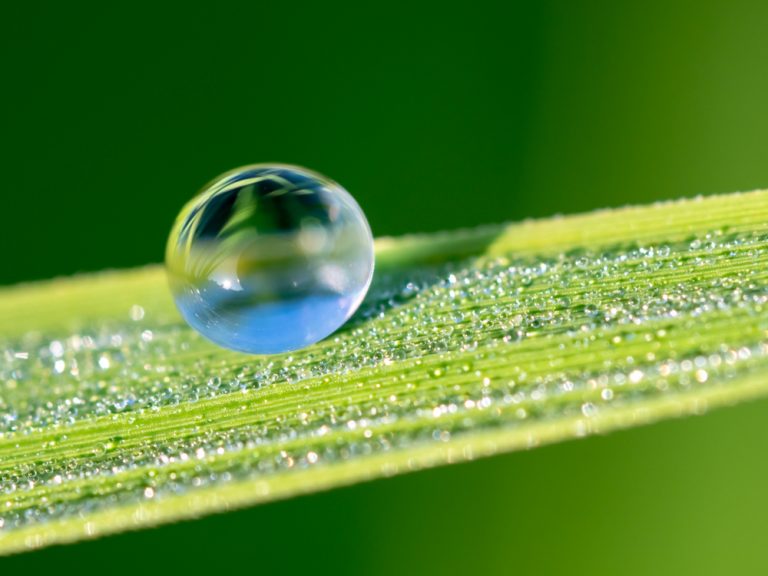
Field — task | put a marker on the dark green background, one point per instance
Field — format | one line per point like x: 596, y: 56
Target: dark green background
x: 434, y: 115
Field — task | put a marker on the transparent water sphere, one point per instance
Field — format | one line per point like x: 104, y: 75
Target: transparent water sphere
x: 269, y: 258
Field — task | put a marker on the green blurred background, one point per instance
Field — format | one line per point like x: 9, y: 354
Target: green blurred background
x: 434, y: 115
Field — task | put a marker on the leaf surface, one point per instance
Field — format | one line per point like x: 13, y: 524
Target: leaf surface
x: 115, y: 415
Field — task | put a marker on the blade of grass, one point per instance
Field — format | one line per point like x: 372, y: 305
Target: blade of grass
x: 114, y: 415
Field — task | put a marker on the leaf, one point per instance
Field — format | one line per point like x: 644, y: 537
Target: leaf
x: 114, y: 415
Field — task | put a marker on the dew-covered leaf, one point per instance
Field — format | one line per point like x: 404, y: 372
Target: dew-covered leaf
x: 114, y: 415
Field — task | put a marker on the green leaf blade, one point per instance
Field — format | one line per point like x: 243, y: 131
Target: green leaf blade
x: 114, y: 415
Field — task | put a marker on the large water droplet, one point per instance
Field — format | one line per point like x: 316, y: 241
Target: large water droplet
x: 269, y: 258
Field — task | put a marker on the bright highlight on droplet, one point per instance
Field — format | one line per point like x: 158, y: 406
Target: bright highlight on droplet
x: 269, y: 258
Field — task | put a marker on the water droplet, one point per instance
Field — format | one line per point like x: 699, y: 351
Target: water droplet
x: 136, y: 313
x: 269, y: 258
x: 588, y: 409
